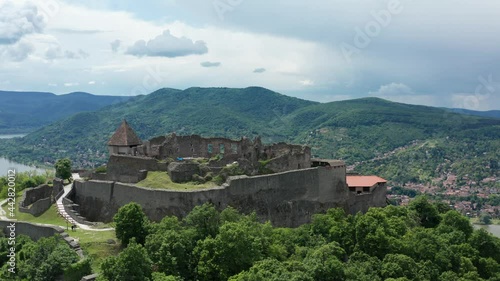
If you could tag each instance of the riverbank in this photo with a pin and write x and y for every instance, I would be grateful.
(491, 228)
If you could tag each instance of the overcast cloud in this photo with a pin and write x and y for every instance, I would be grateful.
(439, 53)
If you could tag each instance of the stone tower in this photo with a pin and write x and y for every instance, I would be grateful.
(124, 141)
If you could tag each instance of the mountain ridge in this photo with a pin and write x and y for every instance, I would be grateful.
(353, 130)
(27, 111)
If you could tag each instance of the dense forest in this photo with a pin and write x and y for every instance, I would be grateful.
(397, 141)
(423, 241)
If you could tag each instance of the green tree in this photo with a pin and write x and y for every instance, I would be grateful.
(363, 267)
(205, 219)
(458, 222)
(426, 212)
(373, 233)
(273, 270)
(485, 218)
(131, 222)
(158, 276)
(60, 259)
(487, 245)
(132, 264)
(175, 253)
(336, 226)
(63, 169)
(44, 260)
(398, 265)
(237, 246)
(323, 264)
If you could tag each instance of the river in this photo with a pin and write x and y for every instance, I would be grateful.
(6, 164)
(12, 136)
(492, 228)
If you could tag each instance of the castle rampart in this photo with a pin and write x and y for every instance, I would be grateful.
(286, 199)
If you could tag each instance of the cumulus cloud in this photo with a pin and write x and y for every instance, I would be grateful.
(167, 45)
(393, 89)
(115, 45)
(210, 64)
(55, 52)
(17, 21)
(306, 82)
(17, 52)
(259, 70)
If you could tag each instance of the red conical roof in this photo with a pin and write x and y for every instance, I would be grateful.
(124, 136)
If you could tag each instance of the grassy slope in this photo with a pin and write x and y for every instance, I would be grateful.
(93, 243)
(161, 180)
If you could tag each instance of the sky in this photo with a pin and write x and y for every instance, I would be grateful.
(437, 53)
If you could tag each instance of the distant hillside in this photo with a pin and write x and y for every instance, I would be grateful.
(489, 113)
(363, 132)
(26, 111)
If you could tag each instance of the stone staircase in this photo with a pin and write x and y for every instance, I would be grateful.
(62, 213)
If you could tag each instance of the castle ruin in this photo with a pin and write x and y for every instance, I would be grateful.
(280, 182)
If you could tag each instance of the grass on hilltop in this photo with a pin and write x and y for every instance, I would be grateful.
(161, 180)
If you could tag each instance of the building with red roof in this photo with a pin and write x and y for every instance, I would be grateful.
(364, 184)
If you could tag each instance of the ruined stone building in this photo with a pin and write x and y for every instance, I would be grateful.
(281, 156)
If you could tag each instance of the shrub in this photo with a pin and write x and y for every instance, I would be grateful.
(101, 170)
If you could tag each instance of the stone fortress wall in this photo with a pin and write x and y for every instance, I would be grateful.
(38, 199)
(286, 199)
(37, 231)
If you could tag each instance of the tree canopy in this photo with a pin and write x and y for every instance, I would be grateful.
(131, 222)
(392, 243)
(63, 169)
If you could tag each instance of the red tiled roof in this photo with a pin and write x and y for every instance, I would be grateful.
(362, 181)
(124, 136)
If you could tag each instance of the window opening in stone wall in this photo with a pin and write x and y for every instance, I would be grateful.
(222, 148)
(210, 148)
(234, 148)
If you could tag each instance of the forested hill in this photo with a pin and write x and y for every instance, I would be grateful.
(363, 132)
(26, 111)
(489, 113)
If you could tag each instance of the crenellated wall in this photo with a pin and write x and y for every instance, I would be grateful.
(286, 199)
